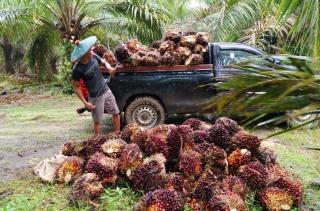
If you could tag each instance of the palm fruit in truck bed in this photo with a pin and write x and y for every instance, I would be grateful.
(133, 46)
(202, 38)
(194, 59)
(110, 58)
(152, 58)
(167, 59)
(122, 53)
(166, 46)
(156, 44)
(174, 36)
(200, 49)
(184, 52)
(188, 41)
(100, 50)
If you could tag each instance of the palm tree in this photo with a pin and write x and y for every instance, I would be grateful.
(12, 19)
(305, 34)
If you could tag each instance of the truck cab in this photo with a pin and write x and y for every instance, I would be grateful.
(149, 95)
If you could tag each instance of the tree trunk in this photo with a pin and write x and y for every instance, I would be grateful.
(7, 49)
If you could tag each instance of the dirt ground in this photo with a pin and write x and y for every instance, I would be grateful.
(34, 129)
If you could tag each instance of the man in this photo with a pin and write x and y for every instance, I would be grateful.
(100, 96)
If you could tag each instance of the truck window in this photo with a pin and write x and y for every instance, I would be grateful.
(234, 56)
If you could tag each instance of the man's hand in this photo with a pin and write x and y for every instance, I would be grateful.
(89, 106)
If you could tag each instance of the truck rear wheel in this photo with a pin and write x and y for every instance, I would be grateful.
(145, 111)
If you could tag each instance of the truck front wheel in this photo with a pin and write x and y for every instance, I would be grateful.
(145, 111)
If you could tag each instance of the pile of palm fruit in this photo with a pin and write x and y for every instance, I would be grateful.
(196, 164)
(175, 48)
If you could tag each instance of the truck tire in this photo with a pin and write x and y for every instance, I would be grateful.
(145, 111)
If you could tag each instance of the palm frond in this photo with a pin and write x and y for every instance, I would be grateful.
(268, 88)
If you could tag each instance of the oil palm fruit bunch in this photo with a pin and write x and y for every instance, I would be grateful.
(110, 58)
(152, 58)
(197, 124)
(156, 44)
(230, 125)
(134, 46)
(104, 167)
(158, 158)
(70, 170)
(91, 146)
(122, 53)
(255, 174)
(235, 184)
(219, 135)
(86, 188)
(202, 38)
(174, 182)
(147, 176)
(200, 136)
(129, 130)
(167, 59)
(140, 138)
(190, 163)
(244, 140)
(69, 149)
(194, 59)
(275, 199)
(225, 202)
(174, 35)
(238, 158)
(216, 158)
(291, 186)
(160, 200)
(157, 141)
(113, 147)
(100, 50)
(264, 155)
(130, 158)
(205, 186)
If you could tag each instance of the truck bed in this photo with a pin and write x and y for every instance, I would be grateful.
(173, 68)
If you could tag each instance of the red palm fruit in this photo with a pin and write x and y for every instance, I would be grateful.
(122, 53)
(244, 140)
(110, 58)
(174, 36)
(90, 146)
(69, 149)
(202, 38)
(231, 125)
(219, 135)
(196, 124)
(190, 163)
(147, 176)
(275, 199)
(200, 136)
(194, 59)
(113, 148)
(156, 143)
(100, 50)
(255, 174)
(140, 138)
(226, 201)
(86, 188)
(202, 147)
(160, 200)
(205, 186)
(236, 185)
(238, 158)
(70, 170)
(156, 44)
(293, 187)
(195, 205)
(130, 158)
(174, 182)
(264, 155)
(174, 143)
(216, 157)
(167, 59)
(159, 158)
(129, 130)
(104, 167)
(133, 45)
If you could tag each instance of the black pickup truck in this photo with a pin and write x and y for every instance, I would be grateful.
(149, 95)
